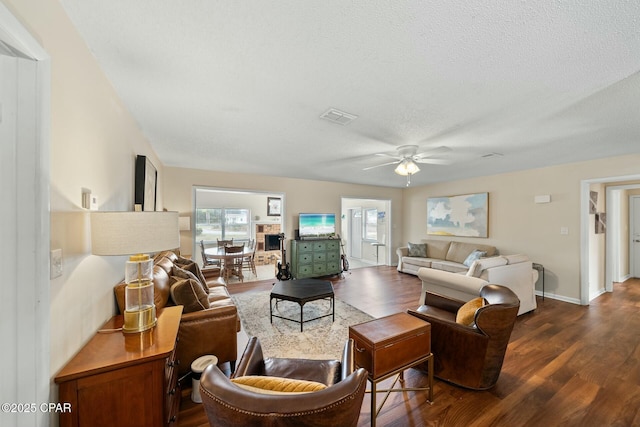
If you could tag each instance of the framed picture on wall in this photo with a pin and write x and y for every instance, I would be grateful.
(146, 182)
(593, 202)
(274, 206)
(464, 215)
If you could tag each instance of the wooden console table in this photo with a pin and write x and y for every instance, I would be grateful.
(120, 379)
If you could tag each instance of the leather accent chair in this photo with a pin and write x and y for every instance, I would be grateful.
(228, 405)
(470, 356)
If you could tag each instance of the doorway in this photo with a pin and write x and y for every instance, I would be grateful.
(366, 228)
(248, 217)
(617, 251)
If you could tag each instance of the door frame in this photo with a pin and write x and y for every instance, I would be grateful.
(30, 379)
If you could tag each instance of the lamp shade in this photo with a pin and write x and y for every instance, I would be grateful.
(407, 167)
(131, 233)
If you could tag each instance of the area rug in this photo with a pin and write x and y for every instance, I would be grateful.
(321, 338)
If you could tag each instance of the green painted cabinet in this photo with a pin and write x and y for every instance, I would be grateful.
(315, 258)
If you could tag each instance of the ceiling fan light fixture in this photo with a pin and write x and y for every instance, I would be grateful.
(407, 167)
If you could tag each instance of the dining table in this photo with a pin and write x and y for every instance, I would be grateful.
(228, 259)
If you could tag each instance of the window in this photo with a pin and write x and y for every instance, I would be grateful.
(370, 224)
(223, 223)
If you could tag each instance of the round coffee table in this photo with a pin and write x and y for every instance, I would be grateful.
(302, 291)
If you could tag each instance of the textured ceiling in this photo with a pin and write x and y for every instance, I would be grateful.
(240, 85)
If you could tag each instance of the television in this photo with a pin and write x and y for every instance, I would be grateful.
(317, 225)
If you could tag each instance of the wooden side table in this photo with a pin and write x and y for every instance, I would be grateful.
(124, 379)
(388, 346)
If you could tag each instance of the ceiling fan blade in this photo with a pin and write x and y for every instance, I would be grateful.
(388, 155)
(378, 166)
(434, 151)
(433, 161)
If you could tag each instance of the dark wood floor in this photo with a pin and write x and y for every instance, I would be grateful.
(566, 364)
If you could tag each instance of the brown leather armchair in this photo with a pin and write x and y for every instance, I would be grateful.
(228, 405)
(470, 356)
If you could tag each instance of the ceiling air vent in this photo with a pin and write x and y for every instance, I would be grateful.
(337, 116)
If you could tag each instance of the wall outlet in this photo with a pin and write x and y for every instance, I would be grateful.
(55, 263)
(564, 231)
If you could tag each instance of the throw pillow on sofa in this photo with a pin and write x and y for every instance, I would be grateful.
(417, 249)
(181, 272)
(474, 256)
(195, 269)
(482, 264)
(189, 293)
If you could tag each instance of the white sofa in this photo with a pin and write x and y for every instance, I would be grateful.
(512, 271)
(447, 255)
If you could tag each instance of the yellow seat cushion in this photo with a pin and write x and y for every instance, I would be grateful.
(467, 313)
(277, 385)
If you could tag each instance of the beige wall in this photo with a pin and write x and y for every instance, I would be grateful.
(94, 141)
(518, 225)
(299, 195)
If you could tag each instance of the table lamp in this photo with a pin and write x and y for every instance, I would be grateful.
(136, 234)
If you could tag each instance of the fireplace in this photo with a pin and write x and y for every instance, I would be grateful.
(272, 242)
(265, 254)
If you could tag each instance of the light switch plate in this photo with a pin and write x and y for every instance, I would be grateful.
(55, 263)
(93, 203)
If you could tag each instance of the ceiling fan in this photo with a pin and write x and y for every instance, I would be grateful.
(407, 160)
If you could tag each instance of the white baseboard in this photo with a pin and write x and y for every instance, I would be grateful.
(559, 297)
(600, 292)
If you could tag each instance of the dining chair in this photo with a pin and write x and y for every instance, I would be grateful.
(233, 264)
(249, 262)
(207, 260)
(225, 242)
